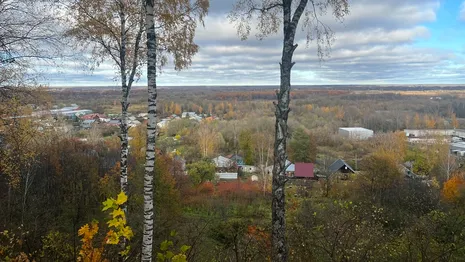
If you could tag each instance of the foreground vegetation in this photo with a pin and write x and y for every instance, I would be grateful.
(52, 184)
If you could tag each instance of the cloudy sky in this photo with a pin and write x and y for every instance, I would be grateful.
(380, 42)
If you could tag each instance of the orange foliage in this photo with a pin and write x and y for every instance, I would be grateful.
(430, 122)
(206, 188)
(452, 188)
(259, 234)
(236, 187)
(455, 122)
(88, 253)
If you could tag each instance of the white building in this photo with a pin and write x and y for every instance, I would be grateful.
(249, 169)
(359, 133)
(223, 162)
(87, 123)
(226, 176)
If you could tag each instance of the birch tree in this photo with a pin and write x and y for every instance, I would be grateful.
(285, 15)
(170, 28)
(113, 30)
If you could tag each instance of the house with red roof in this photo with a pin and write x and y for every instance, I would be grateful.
(304, 171)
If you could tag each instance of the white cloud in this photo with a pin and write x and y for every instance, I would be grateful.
(462, 11)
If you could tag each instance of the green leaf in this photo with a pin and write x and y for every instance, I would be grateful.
(165, 245)
(184, 248)
(179, 258)
(160, 257)
(109, 203)
(125, 252)
(173, 233)
(169, 254)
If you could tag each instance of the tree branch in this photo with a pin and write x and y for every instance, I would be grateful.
(299, 11)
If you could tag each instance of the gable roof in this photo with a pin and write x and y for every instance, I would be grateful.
(222, 161)
(338, 164)
(291, 167)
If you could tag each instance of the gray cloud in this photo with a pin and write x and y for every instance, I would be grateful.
(375, 44)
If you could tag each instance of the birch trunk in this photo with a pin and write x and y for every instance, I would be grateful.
(124, 110)
(147, 240)
(278, 219)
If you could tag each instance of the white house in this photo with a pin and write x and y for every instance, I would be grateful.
(223, 162)
(163, 123)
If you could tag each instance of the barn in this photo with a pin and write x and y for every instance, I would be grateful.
(358, 133)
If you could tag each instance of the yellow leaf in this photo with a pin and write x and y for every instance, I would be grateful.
(83, 230)
(112, 238)
(117, 212)
(122, 198)
(127, 232)
(114, 222)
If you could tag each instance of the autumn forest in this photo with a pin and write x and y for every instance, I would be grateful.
(141, 172)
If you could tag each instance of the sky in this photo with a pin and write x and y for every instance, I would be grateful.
(379, 42)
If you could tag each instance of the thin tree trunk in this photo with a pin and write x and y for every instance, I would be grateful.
(147, 240)
(124, 110)
(124, 117)
(278, 218)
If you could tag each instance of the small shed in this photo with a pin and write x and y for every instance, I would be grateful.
(340, 166)
(304, 170)
(227, 176)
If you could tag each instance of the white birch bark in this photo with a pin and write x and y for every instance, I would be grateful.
(147, 240)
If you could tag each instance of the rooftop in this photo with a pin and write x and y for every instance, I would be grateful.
(354, 129)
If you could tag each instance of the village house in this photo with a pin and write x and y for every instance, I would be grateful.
(304, 171)
(87, 124)
(224, 163)
(340, 167)
(97, 117)
(289, 170)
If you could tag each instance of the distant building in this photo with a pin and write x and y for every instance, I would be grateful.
(358, 133)
(248, 168)
(236, 159)
(340, 166)
(163, 123)
(188, 114)
(304, 170)
(223, 162)
(97, 117)
(86, 124)
(113, 122)
(227, 176)
(289, 170)
(419, 133)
